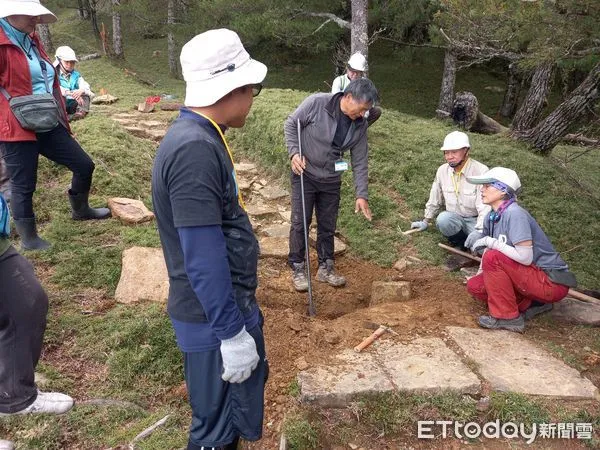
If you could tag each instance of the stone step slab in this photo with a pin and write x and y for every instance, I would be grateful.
(143, 276)
(277, 230)
(260, 210)
(337, 385)
(273, 247)
(273, 193)
(511, 363)
(129, 210)
(426, 365)
(422, 366)
(575, 311)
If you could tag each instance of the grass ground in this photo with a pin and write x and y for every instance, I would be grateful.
(129, 353)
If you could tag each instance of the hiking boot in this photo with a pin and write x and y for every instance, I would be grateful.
(47, 403)
(517, 324)
(326, 274)
(6, 445)
(299, 279)
(537, 308)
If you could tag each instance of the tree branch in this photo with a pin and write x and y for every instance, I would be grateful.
(332, 17)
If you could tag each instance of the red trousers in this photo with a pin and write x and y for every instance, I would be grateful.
(509, 287)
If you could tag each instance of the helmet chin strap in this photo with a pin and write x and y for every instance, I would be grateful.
(63, 67)
(454, 165)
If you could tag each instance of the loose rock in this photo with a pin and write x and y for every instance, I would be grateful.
(129, 210)
(390, 291)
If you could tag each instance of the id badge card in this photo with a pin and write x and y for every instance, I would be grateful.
(341, 166)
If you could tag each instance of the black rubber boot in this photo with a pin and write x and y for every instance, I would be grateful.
(29, 237)
(81, 208)
(458, 240)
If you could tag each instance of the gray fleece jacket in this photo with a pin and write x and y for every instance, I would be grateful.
(318, 115)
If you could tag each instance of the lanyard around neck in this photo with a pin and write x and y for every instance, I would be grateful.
(456, 181)
(218, 128)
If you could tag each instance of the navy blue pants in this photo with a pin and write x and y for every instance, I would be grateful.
(223, 412)
(21, 160)
(23, 309)
(324, 198)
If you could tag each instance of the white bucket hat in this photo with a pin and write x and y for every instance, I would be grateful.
(455, 141)
(507, 176)
(26, 8)
(215, 63)
(358, 62)
(65, 53)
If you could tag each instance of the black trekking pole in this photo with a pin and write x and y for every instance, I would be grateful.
(311, 305)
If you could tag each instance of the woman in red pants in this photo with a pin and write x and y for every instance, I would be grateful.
(521, 274)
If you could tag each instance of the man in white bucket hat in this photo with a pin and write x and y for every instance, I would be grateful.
(355, 70)
(209, 247)
(464, 210)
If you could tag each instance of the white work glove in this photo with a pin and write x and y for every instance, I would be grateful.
(240, 357)
(472, 237)
(483, 243)
(420, 224)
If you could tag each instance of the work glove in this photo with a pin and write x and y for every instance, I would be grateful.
(240, 357)
(471, 238)
(483, 243)
(420, 224)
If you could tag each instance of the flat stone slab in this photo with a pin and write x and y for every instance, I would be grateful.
(143, 276)
(245, 167)
(259, 210)
(578, 312)
(425, 365)
(129, 210)
(337, 385)
(277, 230)
(513, 364)
(274, 247)
(389, 291)
(273, 193)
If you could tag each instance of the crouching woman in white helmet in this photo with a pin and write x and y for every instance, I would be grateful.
(76, 91)
(521, 273)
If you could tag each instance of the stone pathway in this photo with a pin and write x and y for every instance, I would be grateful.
(508, 362)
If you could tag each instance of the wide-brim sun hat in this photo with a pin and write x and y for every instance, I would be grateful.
(455, 141)
(26, 8)
(215, 63)
(507, 176)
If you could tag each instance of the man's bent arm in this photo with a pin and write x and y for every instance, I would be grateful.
(207, 267)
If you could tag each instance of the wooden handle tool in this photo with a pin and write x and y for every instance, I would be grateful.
(368, 341)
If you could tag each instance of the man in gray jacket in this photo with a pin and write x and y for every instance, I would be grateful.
(332, 125)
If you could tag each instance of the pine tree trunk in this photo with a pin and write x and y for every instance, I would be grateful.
(44, 31)
(117, 36)
(511, 95)
(91, 8)
(359, 34)
(173, 70)
(544, 137)
(448, 80)
(529, 112)
(82, 10)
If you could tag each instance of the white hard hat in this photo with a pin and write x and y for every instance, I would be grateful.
(455, 141)
(507, 176)
(358, 62)
(65, 53)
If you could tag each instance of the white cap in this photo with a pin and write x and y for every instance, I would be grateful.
(358, 62)
(26, 8)
(507, 176)
(215, 63)
(455, 141)
(65, 53)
